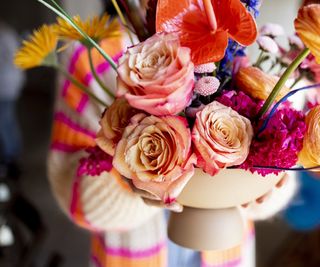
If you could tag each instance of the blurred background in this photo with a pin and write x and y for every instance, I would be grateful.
(47, 237)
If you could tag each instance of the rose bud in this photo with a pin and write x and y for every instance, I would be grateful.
(257, 83)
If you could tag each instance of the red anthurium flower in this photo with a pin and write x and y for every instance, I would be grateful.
(205, 25)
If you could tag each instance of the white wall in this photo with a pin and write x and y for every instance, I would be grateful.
(279, 11)
(84, 8)
(282, 12)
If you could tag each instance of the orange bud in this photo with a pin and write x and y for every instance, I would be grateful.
(257, 83)
(309, 156)
(307, 25)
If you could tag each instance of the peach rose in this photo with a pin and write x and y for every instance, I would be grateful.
(113, 122)
(309, 156)
(156, 154)
(157, 75)
(221, 137)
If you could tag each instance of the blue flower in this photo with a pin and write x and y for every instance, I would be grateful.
(252, 6)
(233, 50)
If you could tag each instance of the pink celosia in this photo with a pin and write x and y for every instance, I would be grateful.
(205, 68)
(207, 86)
(279, 144)
(97, 162)
(240, 102)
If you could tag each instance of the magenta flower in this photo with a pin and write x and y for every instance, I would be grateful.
(279, 144)
(240, 102)
(96, 163)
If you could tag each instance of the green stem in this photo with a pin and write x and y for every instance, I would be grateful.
(223, 84)
(123, 20)
(80, 85)
(273, 65)
(285, 76)
(61, 13)
(298, 79)
(257, 64)
(96, 76)
(218, 67)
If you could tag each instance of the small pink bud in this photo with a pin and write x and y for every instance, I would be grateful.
(207, 86)
(205, 68)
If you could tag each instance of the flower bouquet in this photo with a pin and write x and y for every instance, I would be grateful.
(194, 122)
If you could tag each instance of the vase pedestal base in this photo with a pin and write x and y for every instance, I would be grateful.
(206, 229)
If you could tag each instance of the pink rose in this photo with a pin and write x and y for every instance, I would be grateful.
(157, 75)
(156, 154)
(221, 137)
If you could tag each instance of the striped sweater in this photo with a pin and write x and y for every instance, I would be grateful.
(125, 231)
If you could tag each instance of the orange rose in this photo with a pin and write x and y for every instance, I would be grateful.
(222, 137)
(156, 154)
(113, 122)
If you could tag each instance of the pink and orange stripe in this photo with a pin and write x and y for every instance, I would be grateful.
(68, 136)
(104, 256)
(79, 67)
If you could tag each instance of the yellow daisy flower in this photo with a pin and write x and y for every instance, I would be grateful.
(98, 28)
(39, 50)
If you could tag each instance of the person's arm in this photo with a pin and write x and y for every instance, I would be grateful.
(98, 203)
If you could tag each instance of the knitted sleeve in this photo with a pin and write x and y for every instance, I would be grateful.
(96, 203)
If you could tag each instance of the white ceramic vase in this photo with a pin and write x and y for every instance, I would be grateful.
(211, 219)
